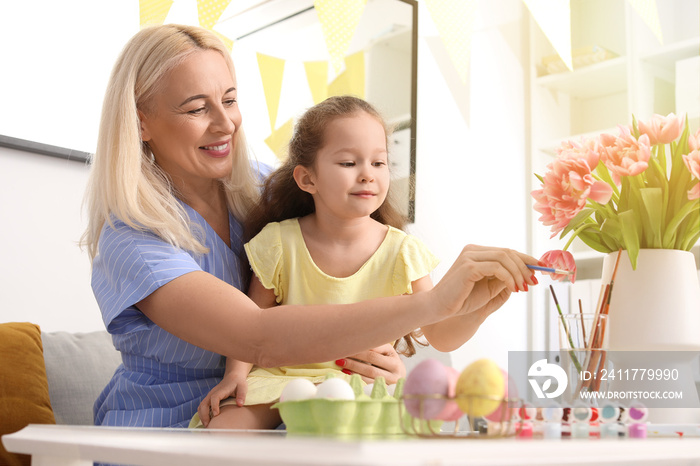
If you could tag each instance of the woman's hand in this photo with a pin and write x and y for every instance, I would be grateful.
(381, 361)
(233, 384)
(481, 279)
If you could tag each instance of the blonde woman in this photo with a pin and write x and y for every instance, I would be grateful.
(171, 183)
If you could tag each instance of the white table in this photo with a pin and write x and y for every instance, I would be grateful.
(79, 445)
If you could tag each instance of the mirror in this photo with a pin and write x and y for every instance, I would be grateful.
(283, 67)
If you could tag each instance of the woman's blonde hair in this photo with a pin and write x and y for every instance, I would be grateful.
(125, 182)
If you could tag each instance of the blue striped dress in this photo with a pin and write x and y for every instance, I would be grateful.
(162, 379)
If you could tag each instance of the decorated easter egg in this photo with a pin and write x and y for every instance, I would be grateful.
(480, 388)
(426, 389)
(298, 389)
(335, 389)
(506, 409)
(451, 411)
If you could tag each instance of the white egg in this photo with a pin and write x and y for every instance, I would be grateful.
(298, 389)
(335, 389)
(368, 389)
(391, 389)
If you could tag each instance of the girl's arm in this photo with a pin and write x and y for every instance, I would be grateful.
(207, 312)
(233, 384)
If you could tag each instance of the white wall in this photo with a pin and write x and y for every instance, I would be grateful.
(470, 188)
(471, 160)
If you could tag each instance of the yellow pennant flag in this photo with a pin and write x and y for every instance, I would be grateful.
(649, 12)
(352, 80)
(317, 77)
(153, 12)
(210, 11)
(278, 140)
(339, 20)
(271, 71)
(554, 18)
(454, 20)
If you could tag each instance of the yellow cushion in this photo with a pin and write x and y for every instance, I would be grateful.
(24, 390)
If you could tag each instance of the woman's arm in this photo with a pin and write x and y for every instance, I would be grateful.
(453, 332)
(382, 361)
(209, 313)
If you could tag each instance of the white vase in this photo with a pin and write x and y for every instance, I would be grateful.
(656, 308)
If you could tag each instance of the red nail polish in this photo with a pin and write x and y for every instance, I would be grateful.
(534, 279)
(346, 371)
(340, 362)
(524, 286)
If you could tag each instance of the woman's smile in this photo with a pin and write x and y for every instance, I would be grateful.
(218, 149)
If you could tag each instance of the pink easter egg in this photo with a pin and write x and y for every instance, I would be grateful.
(505, 410)
(426, 388)
(451, 411)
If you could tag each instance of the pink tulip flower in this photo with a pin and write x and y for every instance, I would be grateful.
(562, 260)
(568, 185)
(694, 141)
(625, 155)
(692, 161)
(661, 129)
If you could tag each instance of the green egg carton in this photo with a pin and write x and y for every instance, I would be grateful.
(378, 414)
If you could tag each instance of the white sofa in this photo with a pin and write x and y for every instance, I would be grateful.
(79, 365)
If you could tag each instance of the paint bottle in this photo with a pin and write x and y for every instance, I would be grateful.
(610, 427)
(581, 416)
(637, 415)
(552, 416)
(526, 416)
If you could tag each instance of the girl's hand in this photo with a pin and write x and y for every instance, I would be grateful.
(481, 279)
(381, 361)
(232, 385)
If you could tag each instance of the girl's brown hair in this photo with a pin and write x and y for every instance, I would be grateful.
(281, 197)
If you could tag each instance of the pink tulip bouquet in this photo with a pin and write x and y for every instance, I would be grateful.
(639, 189)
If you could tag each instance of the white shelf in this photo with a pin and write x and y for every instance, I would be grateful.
(600, 79)
(667, 56)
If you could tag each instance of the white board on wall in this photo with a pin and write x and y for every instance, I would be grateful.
(44, 276)
(55, 61)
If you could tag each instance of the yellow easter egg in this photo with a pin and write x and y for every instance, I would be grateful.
(480, 388)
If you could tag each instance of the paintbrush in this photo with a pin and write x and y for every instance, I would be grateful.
(550, 270)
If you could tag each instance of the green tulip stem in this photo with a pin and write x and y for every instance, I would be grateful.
(566, 329)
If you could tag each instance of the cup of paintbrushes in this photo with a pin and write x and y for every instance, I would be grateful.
(583, 345)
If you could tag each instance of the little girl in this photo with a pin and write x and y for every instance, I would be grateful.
(325, 231)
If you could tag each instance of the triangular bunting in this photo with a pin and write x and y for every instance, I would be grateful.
(271, 71)
(317, 77)
(352, 80)
(454, 20)
(339, 20)
(278, 140)
(210, 11)
(153, 12)
(649, 12)
(554, 18)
